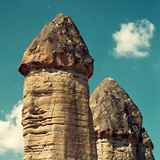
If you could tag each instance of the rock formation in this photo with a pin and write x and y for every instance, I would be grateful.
(145, 146)
(56, 118)
(118, 125)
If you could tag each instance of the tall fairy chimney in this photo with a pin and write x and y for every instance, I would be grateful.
(56, 119)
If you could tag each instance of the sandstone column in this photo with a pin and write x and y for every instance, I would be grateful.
(57, 122)
(118, 124)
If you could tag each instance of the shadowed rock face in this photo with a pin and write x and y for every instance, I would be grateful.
(114, 113)
(56, 118)
(118, 124)
(145, 146)
(58, 45)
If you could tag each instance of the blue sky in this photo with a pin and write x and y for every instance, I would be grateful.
(123, 37)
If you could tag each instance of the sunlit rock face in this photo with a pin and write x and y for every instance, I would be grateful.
(56, 118)
(118, 124)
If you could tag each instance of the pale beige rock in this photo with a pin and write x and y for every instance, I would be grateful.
(56, 118)
(118, 124)
(115, 149)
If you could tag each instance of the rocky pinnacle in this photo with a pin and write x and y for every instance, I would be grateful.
(118, 124)
(56, 118)
(58, 45)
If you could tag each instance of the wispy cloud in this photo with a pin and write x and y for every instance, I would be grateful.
(11, 131)
(156, 64)
(133, 39)
(2, 111)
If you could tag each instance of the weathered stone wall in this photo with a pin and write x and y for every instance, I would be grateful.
(55, 117)
(112, 149)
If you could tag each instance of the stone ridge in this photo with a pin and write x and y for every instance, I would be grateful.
(58, 45)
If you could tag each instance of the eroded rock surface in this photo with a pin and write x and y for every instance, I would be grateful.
(145, 146)
(118, 124)
(56, 118)
(58, 45)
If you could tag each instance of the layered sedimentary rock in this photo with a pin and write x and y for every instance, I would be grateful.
(56, 118)
(118, 124)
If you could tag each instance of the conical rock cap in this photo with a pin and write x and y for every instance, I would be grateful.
(58, 45)
(114, 113)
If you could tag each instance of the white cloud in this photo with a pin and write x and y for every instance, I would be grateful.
(11, 131)
(133, 39)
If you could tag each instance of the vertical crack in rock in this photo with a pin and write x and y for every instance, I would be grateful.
(56, 118)
(118, 124)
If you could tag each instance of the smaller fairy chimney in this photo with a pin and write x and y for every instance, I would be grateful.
(118, 124)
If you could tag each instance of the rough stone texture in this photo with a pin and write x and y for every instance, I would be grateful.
(145, 146)
(114, 113)
(118, 124)
(56, 118)
(115, 149)
(58, 45)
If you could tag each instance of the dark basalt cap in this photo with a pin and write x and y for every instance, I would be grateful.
(58, 45)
